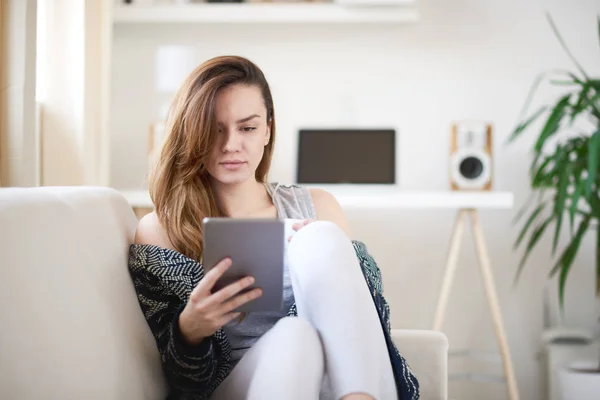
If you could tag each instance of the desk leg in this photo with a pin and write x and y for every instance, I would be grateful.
(451, 264)
(492, 297)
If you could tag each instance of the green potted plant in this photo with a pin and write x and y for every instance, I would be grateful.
(565, 181)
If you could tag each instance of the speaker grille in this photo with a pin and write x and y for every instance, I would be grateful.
(471, 167)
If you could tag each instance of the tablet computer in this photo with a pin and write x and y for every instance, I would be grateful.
(256, 248)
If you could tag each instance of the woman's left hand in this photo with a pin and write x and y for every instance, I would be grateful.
(299, 225)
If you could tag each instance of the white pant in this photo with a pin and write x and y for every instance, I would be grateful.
(334, 347)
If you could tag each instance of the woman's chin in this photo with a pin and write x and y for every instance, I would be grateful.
(232, 178)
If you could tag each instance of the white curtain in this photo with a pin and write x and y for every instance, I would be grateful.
(74, 91)
(2, 91)
(19, 159)
(54, 133)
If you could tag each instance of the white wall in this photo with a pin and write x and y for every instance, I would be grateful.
(470, 59)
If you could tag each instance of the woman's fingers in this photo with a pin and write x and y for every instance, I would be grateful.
(298, 225)
(227, 318)
(229, 291)
(204, 287)
(240, 300)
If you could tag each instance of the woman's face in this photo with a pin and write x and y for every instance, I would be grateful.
(243, 133)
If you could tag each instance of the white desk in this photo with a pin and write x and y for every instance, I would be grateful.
(378, 197)
(465, 203)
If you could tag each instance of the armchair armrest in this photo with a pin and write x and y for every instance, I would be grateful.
(426, 352)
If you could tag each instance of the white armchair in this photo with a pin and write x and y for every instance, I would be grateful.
(71, 323)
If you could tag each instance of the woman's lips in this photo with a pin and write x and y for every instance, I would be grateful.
(233, 165)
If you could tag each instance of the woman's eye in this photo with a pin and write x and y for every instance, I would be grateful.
(248, 128)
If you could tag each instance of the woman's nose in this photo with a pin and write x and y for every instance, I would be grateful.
(231, 142)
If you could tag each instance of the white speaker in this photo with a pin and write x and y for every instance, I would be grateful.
(471, 156)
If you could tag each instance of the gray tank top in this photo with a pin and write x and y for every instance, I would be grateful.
(291, 202)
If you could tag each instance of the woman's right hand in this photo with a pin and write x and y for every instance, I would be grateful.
(206, 312)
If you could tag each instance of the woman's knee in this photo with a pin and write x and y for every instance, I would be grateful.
(319, 238)
(321, 250)
(298, 340)
(287, 362)
(323, 230)
(297, 332)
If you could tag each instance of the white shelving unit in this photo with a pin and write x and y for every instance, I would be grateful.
(124, 23)
(264, 13)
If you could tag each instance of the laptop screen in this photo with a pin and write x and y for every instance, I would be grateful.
(346, 156)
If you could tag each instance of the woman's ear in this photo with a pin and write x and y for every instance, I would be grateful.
(268, 135)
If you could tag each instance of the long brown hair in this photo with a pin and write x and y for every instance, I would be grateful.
(179, 183)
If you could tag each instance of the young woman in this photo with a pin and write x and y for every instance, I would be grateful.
(332, 340)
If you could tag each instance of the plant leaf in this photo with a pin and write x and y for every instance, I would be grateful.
(523, 208)
(593, 154)
(590, 104)
(543, 178)
(562, 83)
(598, 253)
(580, 104)
(521, 127)
(576, 79)
(553, 122)
(560, 198)
(533, 239)
(541, 174)
(536, 83)
(530, 220)
(595, 106)
(594, 202)
(583, 84)
(536, 158)
(579, 187)
(566, 260)
(581, 229)
(563, 44)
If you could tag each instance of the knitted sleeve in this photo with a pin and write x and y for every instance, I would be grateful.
(163, 282)
(406, 382)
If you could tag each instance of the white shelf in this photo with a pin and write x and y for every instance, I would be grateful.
(263, 13)
(388, 198)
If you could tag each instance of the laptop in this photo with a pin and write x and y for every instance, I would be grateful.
(346, 156)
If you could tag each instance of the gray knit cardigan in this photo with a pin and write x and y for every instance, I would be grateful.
(163, 280)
